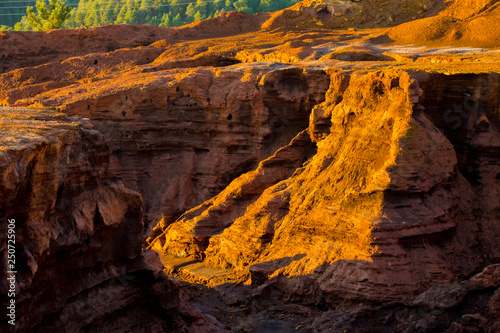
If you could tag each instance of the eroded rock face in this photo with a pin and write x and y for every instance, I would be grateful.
(468, 306)
(180, 136)
(385, 207)
(334, 184)
(79, 259)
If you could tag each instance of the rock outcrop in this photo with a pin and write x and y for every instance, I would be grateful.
(347, 179)
(400, 195)
(469, 306)
(196, 129)
(79, 237)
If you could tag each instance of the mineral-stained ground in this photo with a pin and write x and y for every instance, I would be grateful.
(332, 167)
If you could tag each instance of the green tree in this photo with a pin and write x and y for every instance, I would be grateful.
(229, 6)
(165, 21)
(201, 7)
(155, 20)
(218, 5)
(146, 5)
(176, 7)
(199, 16)
(191, 10)
(268, 5)
(154, 12)
(249, 6)
(92, 19)
(146, 11)
(107, 15)
(120, 18)
(23, 25)
(176, 21)
(47, 18)
(77, 18)
(131, 16)
(11, 11)
(243, 6)
(118, 8)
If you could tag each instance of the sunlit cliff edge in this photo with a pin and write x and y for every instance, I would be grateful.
(314, 157)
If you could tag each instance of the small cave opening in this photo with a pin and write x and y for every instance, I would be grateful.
(95, 62)
(201, 150)
(60, 191)
(223, 62)
(324, 13)
(394, 83)
(379, 89)
(229, 117)
(277, 127)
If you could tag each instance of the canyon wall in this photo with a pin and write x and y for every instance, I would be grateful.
(366, 187)
(401, 194)
(78, 237)
(180, 137)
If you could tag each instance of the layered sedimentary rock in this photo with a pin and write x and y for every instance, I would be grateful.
(78, 237)
(468, 306)
(401, 194)
(180, 136)
(323, 173)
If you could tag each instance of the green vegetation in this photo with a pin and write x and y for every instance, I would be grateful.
(163, 13)
(47, 18)
(14, 12)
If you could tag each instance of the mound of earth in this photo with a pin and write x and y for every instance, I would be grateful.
(26, 49)
(464, 23)
(433, 23)
(335, 14)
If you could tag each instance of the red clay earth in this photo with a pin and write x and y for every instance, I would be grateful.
(308, 169)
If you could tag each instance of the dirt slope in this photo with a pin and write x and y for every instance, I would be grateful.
(335, 14)
(464, 23)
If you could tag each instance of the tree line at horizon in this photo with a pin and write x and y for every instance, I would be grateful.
(87, 13)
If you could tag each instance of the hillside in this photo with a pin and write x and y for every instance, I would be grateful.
(293, 170)
(163, 13)
(471, 24)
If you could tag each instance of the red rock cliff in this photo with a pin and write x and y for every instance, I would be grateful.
(79, 258)
(400, 195)
(366, 185)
